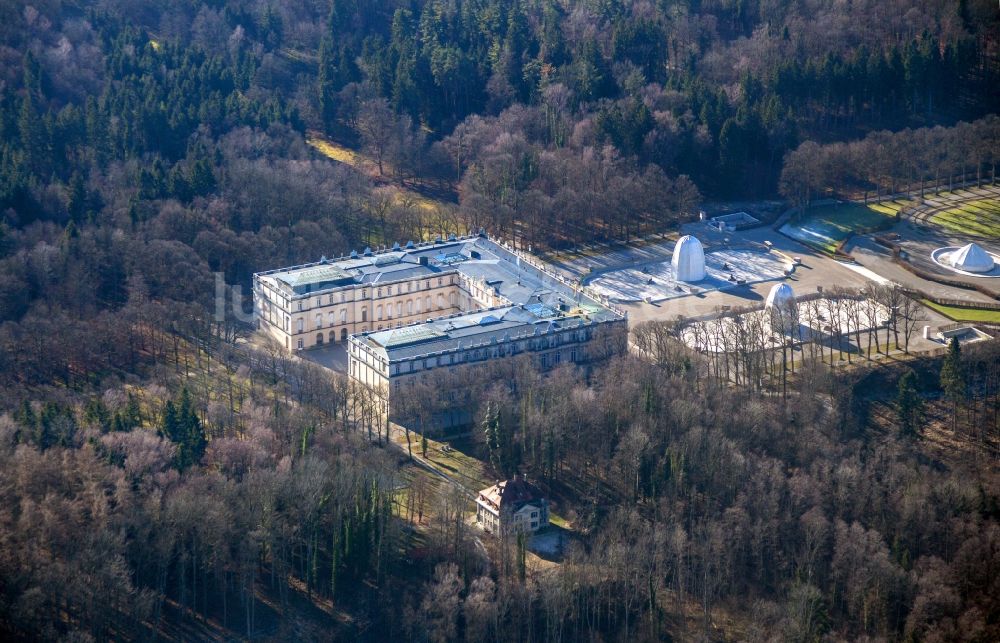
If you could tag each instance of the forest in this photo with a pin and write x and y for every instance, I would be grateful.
(162, 476)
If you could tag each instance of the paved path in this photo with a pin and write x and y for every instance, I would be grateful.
(332, 356)
(879, 259)
(817, 270)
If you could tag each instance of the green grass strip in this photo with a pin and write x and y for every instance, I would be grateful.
(962, 313)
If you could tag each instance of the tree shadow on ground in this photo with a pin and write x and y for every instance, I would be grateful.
(550, 543)
(745, 292)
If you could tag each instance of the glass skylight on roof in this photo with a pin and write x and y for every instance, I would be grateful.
(386, 259)
(450, 258)
(408, 335)
(541, 310)
(314, 275)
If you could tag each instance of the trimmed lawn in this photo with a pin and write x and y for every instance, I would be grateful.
(824, 227)
(961, 313)
(980, 217)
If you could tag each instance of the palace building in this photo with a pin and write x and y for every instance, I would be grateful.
(406, 311)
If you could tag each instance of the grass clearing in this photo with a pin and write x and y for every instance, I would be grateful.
(964, 314)
(559, 521)
(824, 227)
(460, 467)
(334, 151)
(403, 195)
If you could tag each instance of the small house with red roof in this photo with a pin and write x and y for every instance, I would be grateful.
(512, 506)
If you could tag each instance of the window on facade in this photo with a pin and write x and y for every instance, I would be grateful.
(343, 297)
(440, 281)
(378, 293)
(364, 314)
(300, 305)
(319, 320)
(299, 343)
(378, 312)
(319, 338)
(299, 325)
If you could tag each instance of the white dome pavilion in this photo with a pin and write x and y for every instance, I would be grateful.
(688, 259)
(971, 258)
(781, 304)
(780, 295)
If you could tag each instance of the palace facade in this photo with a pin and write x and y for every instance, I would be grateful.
(407, 311)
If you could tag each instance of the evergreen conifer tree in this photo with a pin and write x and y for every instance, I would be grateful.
(953, 378)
